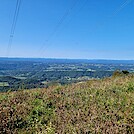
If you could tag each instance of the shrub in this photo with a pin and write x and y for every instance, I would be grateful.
(125, 72)
(117, 73)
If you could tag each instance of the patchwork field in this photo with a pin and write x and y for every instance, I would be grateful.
(4, 84)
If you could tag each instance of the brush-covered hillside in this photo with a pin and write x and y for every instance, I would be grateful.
(96, 106)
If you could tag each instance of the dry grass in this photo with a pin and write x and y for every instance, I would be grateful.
(97, 106)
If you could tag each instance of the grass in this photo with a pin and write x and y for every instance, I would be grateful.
(96, 106)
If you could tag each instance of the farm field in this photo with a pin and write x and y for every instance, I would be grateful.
(4, 84)
(24, 73)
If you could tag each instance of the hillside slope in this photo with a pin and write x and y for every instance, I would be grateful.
(97, 106)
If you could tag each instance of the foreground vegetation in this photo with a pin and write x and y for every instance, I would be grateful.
(96, 106)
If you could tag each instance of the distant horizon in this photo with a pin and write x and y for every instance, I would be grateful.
(65, 58)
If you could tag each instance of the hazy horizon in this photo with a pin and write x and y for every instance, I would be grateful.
(65, 58)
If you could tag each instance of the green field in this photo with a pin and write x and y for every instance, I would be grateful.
(21, 78)
(4, 84)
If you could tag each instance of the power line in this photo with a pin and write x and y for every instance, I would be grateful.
(84, 4)
(123, 5)
(13, 26)
(68, 11)
(79, 10)
(115, 12)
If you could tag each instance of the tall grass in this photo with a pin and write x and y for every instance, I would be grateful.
(96, 106)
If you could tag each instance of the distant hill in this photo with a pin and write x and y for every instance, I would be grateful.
(52, 60)
(95, 106)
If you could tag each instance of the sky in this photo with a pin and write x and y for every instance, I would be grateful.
(76, 29)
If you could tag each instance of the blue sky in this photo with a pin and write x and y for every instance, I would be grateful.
(82, 29)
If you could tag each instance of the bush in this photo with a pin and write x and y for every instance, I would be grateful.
(125, 72)
(117, 73)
